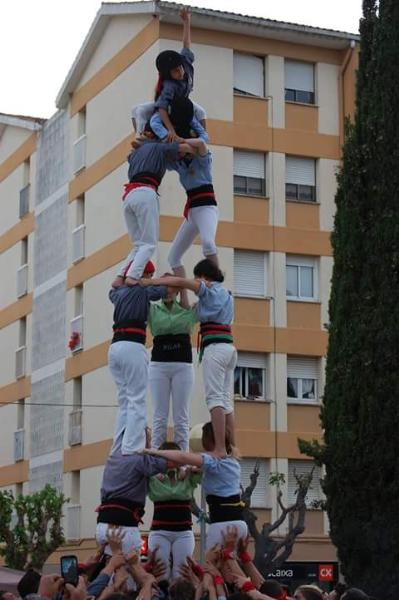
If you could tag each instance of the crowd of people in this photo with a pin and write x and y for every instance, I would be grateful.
(171, 136)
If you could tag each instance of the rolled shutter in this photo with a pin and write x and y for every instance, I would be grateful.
(304, 467)
(303, 367)
(254, 360)
(248, 74)
(300, 170)
(259, 498)
(249, 273)
(249, 164)
(299, 76)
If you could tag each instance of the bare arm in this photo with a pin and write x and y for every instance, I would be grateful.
(179, 282)
(177, 457)
(199, 145)
(186, 18)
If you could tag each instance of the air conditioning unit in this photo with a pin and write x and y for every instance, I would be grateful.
(78, 243)
(22, 281)
(19, 437)
(75, 427)
(73, 522)
(79, 154)
(24, 201)
(76, 339)
(20, 362)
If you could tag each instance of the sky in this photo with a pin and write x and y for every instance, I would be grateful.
(40, 39)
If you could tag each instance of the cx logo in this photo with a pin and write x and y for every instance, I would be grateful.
(326, 573)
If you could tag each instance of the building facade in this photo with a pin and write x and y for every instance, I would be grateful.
(276, 95)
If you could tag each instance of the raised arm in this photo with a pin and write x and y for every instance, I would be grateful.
(175, 282)
(186, 18)
(177, 456)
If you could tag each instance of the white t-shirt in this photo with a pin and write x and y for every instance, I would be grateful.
(141, 113)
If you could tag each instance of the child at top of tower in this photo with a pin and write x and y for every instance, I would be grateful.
(174, 113)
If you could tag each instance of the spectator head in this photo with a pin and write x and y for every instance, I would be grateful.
(206, 269)
(180, 589)
(271, 588)
(4, 595)
(308, 592)
(29, 583)
(239, 596)
(354, 594)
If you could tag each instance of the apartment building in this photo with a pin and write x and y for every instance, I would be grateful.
(276, 95)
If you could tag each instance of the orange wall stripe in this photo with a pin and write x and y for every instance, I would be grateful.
(18, 232)
(242, 135)
(15, 391)
(115, 66)
(18, 157)
(244, 236)
(86, 456)
(16, 310)
(87, 361)
(261, 46)
(17, 473)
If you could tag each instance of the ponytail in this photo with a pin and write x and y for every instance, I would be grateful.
(158, 87)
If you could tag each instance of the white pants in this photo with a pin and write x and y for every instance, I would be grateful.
(202, 220)
(214, 532)
(141, 212)
(173, 545)
(218, 363)
(131, 540)
(171, 381)
(128, 363)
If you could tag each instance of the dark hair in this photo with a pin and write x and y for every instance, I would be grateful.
(209, 435)
(206, 268)
(271, 588)
(169, 446)
(310, 593)
(118, 596)
(29, 583)
(94, 570)
(355, 594)
(340, 589)
(181, 589)
(239, 596)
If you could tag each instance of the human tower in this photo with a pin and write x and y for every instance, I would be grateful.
(171, 136)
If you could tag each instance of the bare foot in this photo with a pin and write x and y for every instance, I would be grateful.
(219, 453)
(117, 282)
(131, 281)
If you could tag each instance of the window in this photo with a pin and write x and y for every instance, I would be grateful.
(259, 498)
(304, 467)
(302, 379)
(249, 273)
(301, 278)
(249, 173)
(248, 74)
(299, 82)
(300, 179)
(250, 376)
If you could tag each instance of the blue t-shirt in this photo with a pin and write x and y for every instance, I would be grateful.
(215, 304)
(173, 88)
(195, 172)
(221, 476)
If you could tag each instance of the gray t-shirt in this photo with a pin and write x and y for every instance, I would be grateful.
(152, 157)
(132, 303)
(125, 476)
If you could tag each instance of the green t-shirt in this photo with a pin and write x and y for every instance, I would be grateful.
(159, 491)
(177, 320)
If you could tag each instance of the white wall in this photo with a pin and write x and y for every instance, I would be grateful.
(9, 194)
(12, 138)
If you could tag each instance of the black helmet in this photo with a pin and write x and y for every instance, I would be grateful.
(167, 60)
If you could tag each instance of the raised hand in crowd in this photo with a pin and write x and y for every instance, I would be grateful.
(115, 539)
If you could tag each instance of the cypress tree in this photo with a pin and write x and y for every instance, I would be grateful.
(360, 414)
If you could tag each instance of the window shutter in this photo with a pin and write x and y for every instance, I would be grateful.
(249, 273)
(255, 360)
(259, 498)
(300, 170)
(303, 367)
(302, 261)
(299, 76)
(301, 467)
(248, 74)
(249, 164)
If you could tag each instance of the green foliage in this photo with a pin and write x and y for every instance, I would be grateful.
(30, 527)
(276, 478)
(360, 414)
